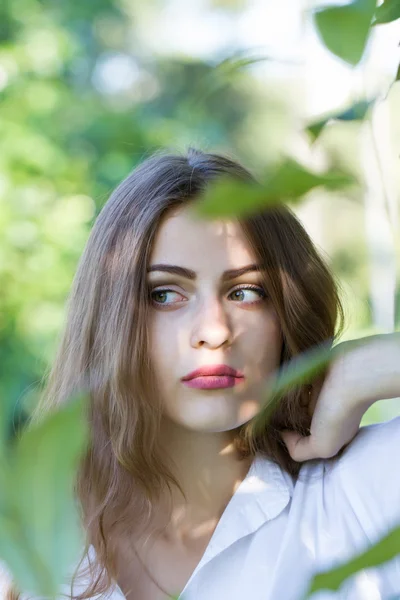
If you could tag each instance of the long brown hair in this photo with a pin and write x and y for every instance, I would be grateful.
(104, 347)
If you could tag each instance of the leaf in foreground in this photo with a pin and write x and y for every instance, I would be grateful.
(42, 521)
(387, 12)
(303, 369)
(356, 112)
(386, 549)
(219, 77)
(299, 371)
(345, 29)
(287, 181)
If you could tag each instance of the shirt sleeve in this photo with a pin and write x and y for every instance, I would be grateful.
(369, 471)
(362, 497)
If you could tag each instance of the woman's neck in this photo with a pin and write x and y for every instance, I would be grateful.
(209, 471)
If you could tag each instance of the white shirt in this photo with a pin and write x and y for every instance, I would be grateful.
(274, 533)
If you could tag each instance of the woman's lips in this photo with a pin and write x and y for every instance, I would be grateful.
(213, 382)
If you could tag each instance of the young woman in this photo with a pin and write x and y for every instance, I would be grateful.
(175, 325)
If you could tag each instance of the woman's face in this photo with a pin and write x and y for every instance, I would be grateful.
(207, 316)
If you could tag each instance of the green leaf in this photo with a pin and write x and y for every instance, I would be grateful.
(345, 29)
(221, 75)
(356, 112)
(386, 549)
(302, 369)
(397, 310)
(23, 562)
(228, 197)
(45, 519)
(3, 428)
(233, 64)
(7, 413)
(299, 371)
(387, 12)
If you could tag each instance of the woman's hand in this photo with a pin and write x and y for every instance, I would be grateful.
(355, 380)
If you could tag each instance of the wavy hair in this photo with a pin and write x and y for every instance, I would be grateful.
(123, 471)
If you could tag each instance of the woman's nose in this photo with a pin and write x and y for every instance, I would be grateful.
(212, 326)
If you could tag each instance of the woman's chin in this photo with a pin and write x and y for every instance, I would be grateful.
(216, 417)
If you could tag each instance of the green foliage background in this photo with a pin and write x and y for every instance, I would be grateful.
(68, 138)
(65, 146)
(67, 142)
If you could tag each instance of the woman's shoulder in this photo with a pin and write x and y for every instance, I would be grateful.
(364, 480)
(341, 507)
(373, 451)
(372, 455)
(376, 439)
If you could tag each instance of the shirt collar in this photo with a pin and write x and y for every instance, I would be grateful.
(262, 495)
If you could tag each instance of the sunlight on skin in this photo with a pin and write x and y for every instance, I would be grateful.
(196, 322)
(201, 326)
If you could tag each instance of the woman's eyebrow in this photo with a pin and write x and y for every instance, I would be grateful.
(189, 274)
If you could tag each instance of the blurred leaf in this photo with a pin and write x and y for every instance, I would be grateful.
(299, 371)
(232, 64)
(398, 74)
(289, 181)
(19, 556)
(303, 369)
(3, 429)
(356, 112)
(384, 550)
(3, 486)
(345, 29)
(220, 76)
(387, 12)
(40, 497)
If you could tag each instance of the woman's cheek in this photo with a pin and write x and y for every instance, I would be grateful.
(163, 344)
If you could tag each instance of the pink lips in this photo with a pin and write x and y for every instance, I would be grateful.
(213, 377)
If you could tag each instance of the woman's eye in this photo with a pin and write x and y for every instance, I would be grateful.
(159, 296)
(248, 294)
(240, 294)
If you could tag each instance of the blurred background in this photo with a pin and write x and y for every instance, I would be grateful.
(88, 89)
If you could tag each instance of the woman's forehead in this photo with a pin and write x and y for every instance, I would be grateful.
(184, 236)
(185, 225)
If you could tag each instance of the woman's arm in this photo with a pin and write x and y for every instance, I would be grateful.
(372, 371)
(362, 372)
